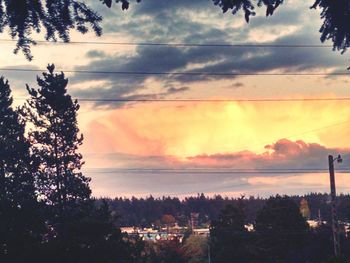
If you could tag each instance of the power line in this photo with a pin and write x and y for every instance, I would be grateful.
(184, 171)
(218, 170)
(317, 129)
(223, 169)
(238, 45)
(135, 73)
(208, 100)
(214, 100)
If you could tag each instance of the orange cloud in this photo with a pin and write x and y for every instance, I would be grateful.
(194, 129)
(284, 154)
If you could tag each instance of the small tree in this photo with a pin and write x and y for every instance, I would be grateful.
(168, 221)
(196, 248)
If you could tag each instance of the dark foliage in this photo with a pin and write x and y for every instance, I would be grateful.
(281, 231)
(125, 3)
(229, 238)
(66, 225)
(16, 180)
(336, 22)
(56, 139)
(248, 6)
(281, 235)
(90, 236)
(20, 224)
(55, 17)
(169, 251)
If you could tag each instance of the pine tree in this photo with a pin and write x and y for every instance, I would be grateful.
(19, 223)
(80, 231)
(16, 182)
(281, 230)
(229, 238)
(56, 140)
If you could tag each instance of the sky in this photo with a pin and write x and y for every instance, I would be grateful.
(214, 145)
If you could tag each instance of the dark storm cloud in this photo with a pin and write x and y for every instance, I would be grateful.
(283, 59)
(146, 59)
(152, 19)
(103, 95)
(117, 86)
(214, 60)
(170, 21)
(154, 7)
(164, 59)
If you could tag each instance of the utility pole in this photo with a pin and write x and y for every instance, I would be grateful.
(335, 226)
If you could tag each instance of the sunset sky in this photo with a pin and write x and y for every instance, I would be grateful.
(212, 146)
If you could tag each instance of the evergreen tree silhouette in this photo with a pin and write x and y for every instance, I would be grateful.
(20, 223)
(79, 230)
(281, 231)
(56, 139)
(229, 237)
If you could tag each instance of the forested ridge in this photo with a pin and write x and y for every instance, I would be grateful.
(144, 212)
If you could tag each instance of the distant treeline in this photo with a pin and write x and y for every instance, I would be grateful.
(144, 212)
